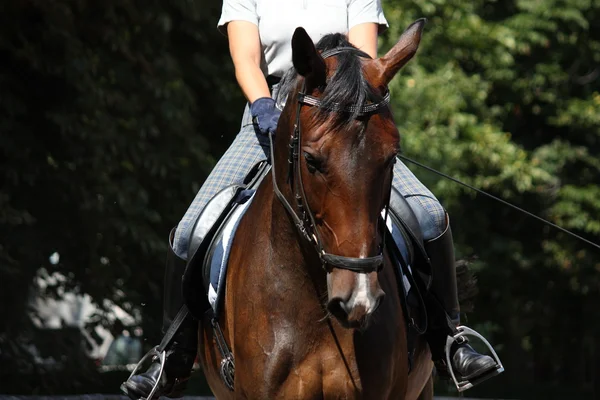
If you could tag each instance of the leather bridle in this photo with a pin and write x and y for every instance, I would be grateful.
(306, 224)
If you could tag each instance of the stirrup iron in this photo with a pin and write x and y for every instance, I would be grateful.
(466, 384)
(155, 354)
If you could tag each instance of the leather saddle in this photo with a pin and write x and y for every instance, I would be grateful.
(207, 232)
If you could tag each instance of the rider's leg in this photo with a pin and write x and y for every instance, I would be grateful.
(247, 149)
(465, 360)
(440, 247)
(182, 351)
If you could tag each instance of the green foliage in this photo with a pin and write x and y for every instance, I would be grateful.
(506, 96)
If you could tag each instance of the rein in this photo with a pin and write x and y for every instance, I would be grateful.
(306, 224)
(506, 203)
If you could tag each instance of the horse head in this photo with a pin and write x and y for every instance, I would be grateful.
(343, 147)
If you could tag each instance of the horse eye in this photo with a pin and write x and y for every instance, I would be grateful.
(312, 163)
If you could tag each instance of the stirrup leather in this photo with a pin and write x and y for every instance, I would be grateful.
(154, 354)
(462, 332)
(227, 369)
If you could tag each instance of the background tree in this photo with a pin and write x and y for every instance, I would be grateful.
(505, 96)
(109, 127)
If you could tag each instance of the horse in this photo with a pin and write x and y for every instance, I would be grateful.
(304, 312)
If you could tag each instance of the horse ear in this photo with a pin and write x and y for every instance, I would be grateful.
(402, 51)
(307, 60)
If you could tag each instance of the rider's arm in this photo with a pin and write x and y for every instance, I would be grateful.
(365, 22)
(364, 36)
(245, 49)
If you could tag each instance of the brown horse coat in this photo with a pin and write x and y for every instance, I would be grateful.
(275, 317)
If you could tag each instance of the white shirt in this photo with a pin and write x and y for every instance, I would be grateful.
(277, 20)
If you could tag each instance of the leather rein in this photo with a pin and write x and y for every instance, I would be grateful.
(305, 223)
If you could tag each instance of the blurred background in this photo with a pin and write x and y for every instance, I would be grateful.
(113, 112)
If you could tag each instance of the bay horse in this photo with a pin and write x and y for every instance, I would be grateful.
(303, 311)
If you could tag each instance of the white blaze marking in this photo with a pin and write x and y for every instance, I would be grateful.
(362, 293)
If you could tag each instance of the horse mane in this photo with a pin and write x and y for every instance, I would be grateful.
(347, 85)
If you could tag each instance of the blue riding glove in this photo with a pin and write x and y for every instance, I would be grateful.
(265, 114)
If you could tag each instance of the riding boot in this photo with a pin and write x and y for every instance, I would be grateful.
(468, 365)
(181, 353)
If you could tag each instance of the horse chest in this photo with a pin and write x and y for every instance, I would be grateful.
(283, 343)
(323, 365)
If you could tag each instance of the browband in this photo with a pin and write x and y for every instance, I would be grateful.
(366, 109)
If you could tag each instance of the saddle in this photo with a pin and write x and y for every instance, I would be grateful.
(208, 233)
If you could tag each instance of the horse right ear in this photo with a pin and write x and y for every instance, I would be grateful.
(307, 60)
(402, 51)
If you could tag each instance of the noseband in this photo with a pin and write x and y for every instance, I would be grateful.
(306, 224)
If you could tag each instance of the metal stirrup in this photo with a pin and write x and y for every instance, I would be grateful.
(155, 353)
(465, 384)
(160, 352)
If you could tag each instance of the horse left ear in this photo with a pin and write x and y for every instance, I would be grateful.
(402, 51)
(307, 60)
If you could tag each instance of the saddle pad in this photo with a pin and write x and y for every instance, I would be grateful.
(218, 262)
(399, 240)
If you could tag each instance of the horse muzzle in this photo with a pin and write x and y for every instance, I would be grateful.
(353, 297)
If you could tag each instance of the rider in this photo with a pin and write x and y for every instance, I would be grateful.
(259, 34)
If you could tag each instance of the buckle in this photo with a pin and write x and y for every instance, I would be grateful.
(227, 371)
(460, 337)
(154, 353)
(227, 368)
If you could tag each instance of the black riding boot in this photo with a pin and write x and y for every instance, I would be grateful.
(181, 353)
(468, 365)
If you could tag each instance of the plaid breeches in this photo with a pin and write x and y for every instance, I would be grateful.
(249, 147)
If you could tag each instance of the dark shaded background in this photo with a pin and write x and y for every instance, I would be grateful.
(112, 114)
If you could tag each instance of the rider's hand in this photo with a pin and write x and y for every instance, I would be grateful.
(265, 114)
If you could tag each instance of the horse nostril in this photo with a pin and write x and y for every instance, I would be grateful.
(379, 296)
(338, 308)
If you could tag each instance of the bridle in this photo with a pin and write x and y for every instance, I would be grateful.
(306, 224)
